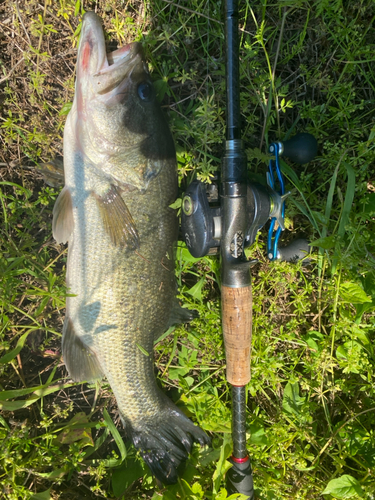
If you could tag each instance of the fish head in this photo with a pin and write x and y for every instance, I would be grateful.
(117, 120)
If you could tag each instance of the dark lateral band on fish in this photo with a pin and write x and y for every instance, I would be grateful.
(117, 220)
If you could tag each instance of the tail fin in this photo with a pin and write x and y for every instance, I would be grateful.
(165, 445)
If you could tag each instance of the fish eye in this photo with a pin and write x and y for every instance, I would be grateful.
(145, 91)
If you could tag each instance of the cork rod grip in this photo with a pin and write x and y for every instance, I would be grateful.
(236, 305)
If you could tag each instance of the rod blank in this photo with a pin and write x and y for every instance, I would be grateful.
(233, 118)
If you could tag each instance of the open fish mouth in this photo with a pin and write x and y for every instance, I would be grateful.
(107, 70)
(117, 56)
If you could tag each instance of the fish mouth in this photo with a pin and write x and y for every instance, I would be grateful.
(117, 56)
(107, 70)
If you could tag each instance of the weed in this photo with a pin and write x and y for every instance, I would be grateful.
(305, 66)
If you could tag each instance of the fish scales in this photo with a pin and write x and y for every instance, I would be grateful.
(118, 290)
(114, 211)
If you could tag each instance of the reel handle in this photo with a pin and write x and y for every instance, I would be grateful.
(301, 148)
(297, 250)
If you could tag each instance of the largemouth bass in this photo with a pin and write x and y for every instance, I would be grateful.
(120, 178)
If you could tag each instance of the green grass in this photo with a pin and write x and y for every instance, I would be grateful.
(305, 66)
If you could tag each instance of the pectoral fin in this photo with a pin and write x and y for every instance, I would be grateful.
(62, 224)
(81, 362)
(117, 220)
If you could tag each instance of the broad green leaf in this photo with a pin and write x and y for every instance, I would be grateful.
(353, 293)
(370, 203)
(292, 401)
(184, 255)
(176, 204)
(319, 217)
(362, 308)
(124, 476)
(161, 87)
(258, 435)
(341, 353)
(65, 108)
(191, 492)
(110, 463)
(344, 487)
(314, 340)
(208, 455)
(360, 335)
(326, 242)
(72, 433)
(101, 440)
(44, 495)
(196, 290)
(369, 284)
(356, 438)
(51, 475)
(175, 373)
(222, 495)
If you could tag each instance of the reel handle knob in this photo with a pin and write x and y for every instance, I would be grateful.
(301, 148)
(297, 250)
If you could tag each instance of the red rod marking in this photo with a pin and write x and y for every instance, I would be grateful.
(240, 460)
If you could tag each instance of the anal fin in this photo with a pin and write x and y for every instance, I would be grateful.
(63, 222)
(81, 362)
(117, 220)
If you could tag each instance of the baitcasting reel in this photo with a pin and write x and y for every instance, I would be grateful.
(201, 219)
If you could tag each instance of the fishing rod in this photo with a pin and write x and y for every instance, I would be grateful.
(230, 224)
